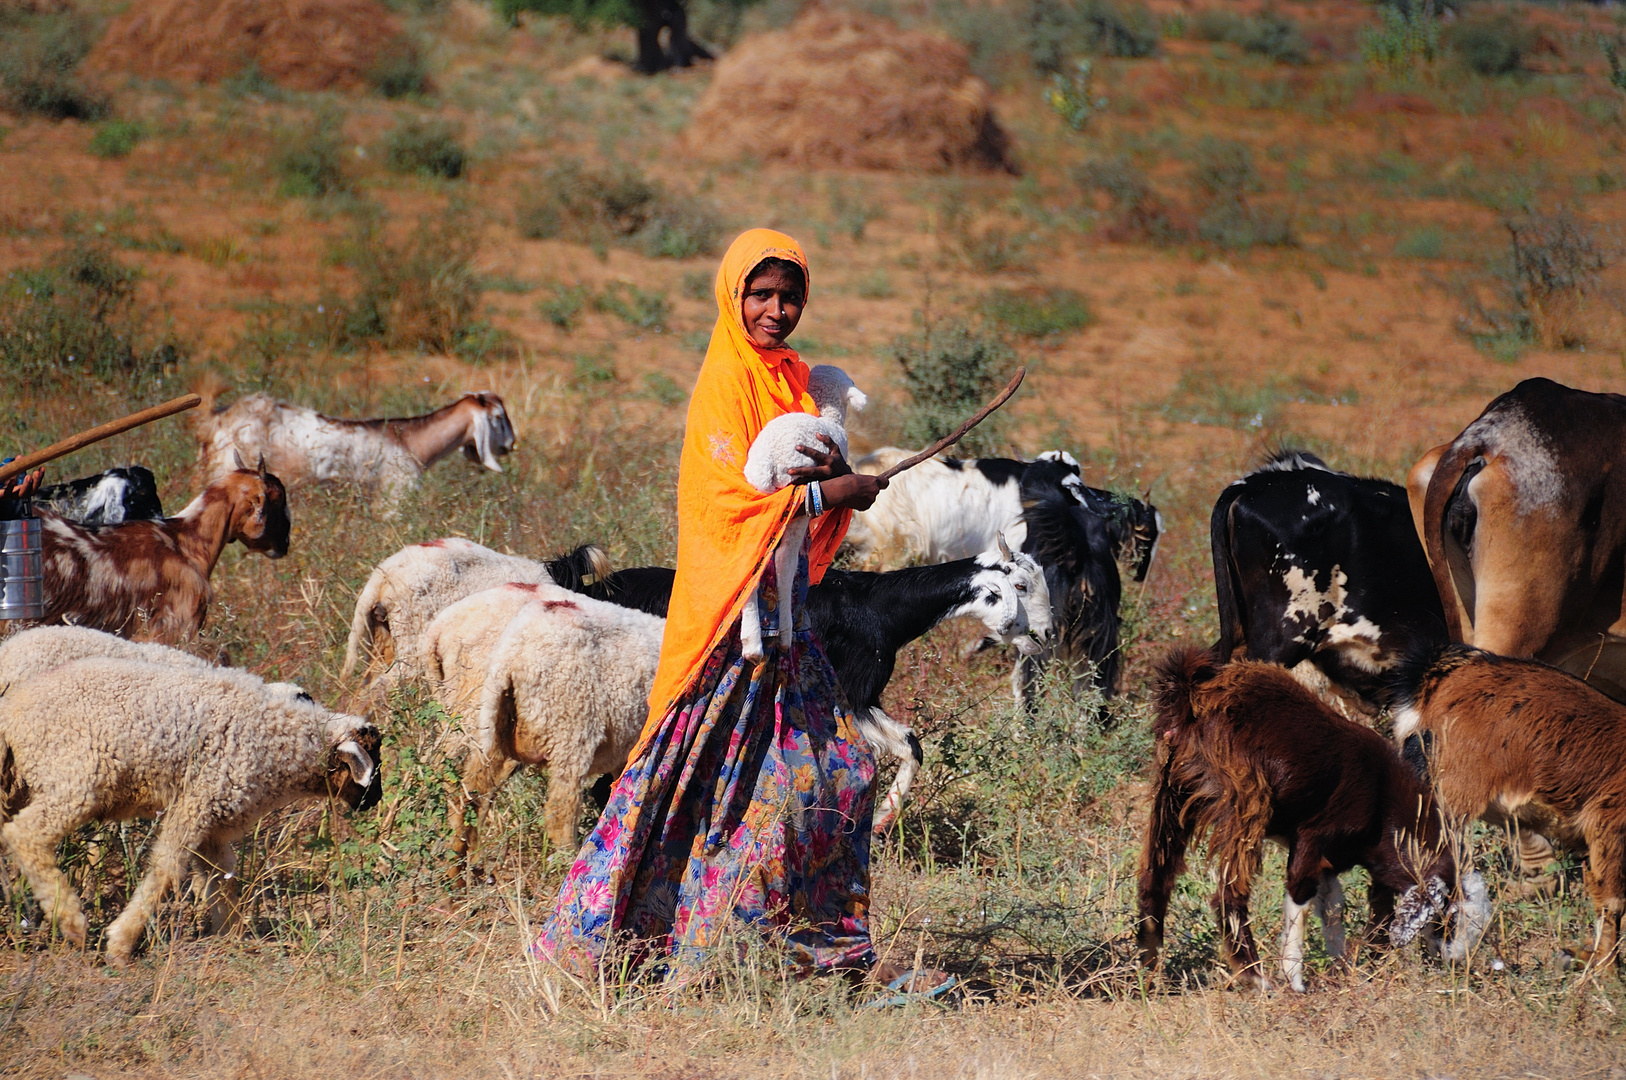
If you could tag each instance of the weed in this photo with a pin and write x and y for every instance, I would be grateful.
(1038, 312)
(426, 148)
(74, 317)
(1617, 69)
(1224, 174)
(1557, 260)
(875, 285)
(634, 306)
(420, 293)
(398, 70)
(39, 57)
(1489, 46)
(1138, 212)
(1059, 31)
(1408, 34)
(250, 81)
(563, 309)
(949, 372)
(1072, 96)
(1268, 34)
(116, 138)
(698, 285)
(591, 370)
(309, 160)
(621, 205)
(852, 213)
(662, 387)
(1424, 243)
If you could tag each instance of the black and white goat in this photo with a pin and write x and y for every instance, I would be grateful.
(864, 618)
(125, 493)
(1074, 546)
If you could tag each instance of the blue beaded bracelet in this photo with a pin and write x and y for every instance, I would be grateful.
(817, 497)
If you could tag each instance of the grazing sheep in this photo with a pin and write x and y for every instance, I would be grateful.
(149, 580)
(24, 655)
(1520, 744)
(385, 456)
(407, 589)
(459, 640)
(568, 684)
(1246, 753)
(126, 493)
(213, 751)
(774, 453)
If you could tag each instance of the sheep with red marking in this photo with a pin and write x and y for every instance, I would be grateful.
(1245, 753)
(149, 580)
(1521, 744)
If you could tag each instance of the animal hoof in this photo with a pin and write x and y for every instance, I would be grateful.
(1538, 888)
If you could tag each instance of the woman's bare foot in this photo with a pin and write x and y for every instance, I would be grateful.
(885, 972)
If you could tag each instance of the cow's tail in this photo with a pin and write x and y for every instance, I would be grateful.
(1226, 586)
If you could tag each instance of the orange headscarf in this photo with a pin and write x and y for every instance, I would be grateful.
(726, 528)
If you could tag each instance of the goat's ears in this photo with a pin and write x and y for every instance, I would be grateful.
(1005, 549)
(357, 761)
(237, 459)
(260, 468)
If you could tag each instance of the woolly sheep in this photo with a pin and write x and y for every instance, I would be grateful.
(213, 751)
(406, 590)
(568, 685)
(458, 643)
(24, 655)
(768, 468)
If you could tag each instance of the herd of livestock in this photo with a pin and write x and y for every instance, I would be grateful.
(1481, 608)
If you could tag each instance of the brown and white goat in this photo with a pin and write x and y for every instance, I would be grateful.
(1245, 753)
(1521, 744)
(386, 457)
(149, 580)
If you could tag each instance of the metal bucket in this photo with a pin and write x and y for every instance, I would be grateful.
(22, 570)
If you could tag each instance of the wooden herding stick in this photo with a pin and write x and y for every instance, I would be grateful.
(97, 434)
(960, 432)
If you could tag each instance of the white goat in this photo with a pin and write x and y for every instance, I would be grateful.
(772, 456)
(386, 457)
(212, 751)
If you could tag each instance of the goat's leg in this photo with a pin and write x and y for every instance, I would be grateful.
(884, 733)
(1329, 908)
(1239, 843)
(1380, 903)
(1304, 884)
(1535, 852)
(1605, 870)
(1168, 834)
(32, 838)
(177, 838)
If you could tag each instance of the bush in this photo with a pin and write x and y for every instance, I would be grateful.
(1038, 312)
(74, 318)
(564, 307)
(398, 70)
(949, 372)
(1493, 46)
(1138, 213)
(39, 57)
(420, 293)
(617, 205)
(1408, 34)
(1224, 174)
(1267, 34)
(310, 160)
(634, 306)
(1425, 243)
(116, 138)
(1059, 30)
(426, 148)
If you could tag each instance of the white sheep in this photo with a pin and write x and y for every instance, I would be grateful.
(568, 684)
(406, 590)
(30, 652)
(213, 751)
(460, 639)
(772, 456)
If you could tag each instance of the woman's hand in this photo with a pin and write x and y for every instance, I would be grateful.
(840, 487)
(827, 463)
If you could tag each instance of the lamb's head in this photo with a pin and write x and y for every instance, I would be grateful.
(834, 393)
(355, 771)
(1011, 598)
(490, 433)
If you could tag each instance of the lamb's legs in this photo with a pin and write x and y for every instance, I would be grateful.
(32, 838)
(166, 865)
(482, 775)
(884, 733)
(786, 556)
(214, 881)
(751, 627)
(564, 806)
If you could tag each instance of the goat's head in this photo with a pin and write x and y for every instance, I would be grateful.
(355, 771)
(259, 505)
(1011, 598)
(834, 394)
(1053, 473)
(490, 433)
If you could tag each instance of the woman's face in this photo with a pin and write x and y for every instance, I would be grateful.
(772, 307)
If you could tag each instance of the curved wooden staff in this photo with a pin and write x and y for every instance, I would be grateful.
(97, 434)
(960, 432)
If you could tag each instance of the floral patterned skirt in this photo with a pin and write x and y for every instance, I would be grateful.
(751, 803)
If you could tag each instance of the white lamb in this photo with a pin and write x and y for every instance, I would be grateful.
(772, 456)
(26, 654)
(406, 590)
(212, 751)
(568, 684)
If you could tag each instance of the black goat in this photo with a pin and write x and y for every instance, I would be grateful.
(126, 493)
(863, 619)
(1075, 546)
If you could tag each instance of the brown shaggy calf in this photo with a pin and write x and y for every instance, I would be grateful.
(1245, 753)
(1518, 743)
(149, 580)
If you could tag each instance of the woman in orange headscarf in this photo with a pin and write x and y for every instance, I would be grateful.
(747, 799)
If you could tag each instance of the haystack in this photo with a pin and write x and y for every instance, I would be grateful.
(299, 44)
(840, 88)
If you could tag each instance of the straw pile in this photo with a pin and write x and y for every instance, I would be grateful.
(300, 44)
(840, 88)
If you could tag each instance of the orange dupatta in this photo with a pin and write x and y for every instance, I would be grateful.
(726, 528)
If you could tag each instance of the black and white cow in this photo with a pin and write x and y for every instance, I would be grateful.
(1311, 564)
(125, 493)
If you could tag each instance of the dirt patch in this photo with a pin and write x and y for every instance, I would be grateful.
(300, 44)
(848, 89)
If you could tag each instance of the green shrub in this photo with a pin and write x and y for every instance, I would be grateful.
(398, 71)
(418, 293)
(1491, 46)
(116, 138)
(309, 161)
(39, 58)
(1038, 312)
(563, 309)
(1061, 30)
(1425, 243)
(634, 306)
(1407, 35)
(1617, 69)
(616, 205)
(74, 317)
(1138, 214)
(949, 372)
(698, 285)
(663, 388)
(1224, 173)
(427, 148)
(1267, 34)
